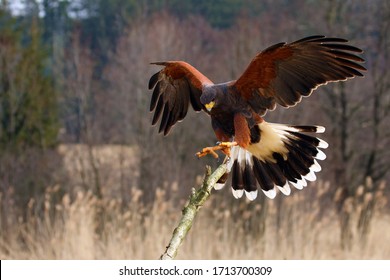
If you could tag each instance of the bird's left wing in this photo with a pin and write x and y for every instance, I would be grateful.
(176, 86)
(284, 73)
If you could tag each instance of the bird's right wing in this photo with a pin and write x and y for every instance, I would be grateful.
(175, 86)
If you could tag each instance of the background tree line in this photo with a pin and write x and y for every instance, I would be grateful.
(76, 72)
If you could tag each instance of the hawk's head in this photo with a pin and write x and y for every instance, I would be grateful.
(209, 97)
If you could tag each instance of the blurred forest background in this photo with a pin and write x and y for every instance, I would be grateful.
(84, 175)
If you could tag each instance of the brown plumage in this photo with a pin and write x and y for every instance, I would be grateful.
(270, 155)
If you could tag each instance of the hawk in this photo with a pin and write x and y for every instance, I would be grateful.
(269, 155)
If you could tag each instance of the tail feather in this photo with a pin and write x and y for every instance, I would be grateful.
(284, 156)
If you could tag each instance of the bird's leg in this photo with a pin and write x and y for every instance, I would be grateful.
(222, 146)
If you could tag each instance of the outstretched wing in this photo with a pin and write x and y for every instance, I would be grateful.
(175, 86)
(283, 73)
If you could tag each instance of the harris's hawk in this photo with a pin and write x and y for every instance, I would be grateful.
(272, 156)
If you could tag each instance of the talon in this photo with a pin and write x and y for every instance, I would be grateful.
(223, 146)
(214, 154)
(206, 151)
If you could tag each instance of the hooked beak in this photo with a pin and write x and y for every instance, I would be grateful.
(210, 106)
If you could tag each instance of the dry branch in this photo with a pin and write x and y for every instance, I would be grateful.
(196, 200)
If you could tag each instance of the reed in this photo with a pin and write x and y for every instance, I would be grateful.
(304, 225)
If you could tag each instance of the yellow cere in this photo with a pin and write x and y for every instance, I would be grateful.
(210, 105)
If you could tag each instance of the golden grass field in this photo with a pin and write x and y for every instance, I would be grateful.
(302, 226)
(73, 223)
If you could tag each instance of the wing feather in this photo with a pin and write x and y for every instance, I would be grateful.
(153, 80)
(283, 73)
(175, 87)
(155, 97)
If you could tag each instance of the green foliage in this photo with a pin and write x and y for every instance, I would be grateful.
(56, 21)
(28, 115)
(219, 13)
(105, 21)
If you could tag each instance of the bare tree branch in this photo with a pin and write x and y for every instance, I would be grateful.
(196, 200)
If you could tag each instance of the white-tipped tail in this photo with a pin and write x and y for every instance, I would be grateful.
(284, 156)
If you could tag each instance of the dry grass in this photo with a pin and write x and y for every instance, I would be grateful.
(302, 226)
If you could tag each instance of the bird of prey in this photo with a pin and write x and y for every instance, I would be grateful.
(269, 155)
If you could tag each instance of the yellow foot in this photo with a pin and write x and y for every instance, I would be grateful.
(222, 146)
